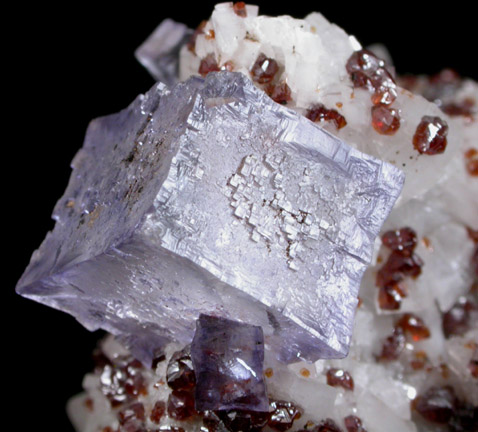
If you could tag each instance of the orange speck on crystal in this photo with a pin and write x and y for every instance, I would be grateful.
(305, 372)
(210, 34)
(89, 404)
(339, 104)
(269, 372)
(427, 243)
(240, 9)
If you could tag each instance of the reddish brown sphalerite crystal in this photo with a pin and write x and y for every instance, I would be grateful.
(397, 267)
(464, 108)
(327, 425)
(368, 71)
(390, 297)
(354, 424)
(385, 120)
(181, 405)
(473, 364)
(134, 411)
(282, 415)
(192, 42)
(180, 373)
(457, 321)
(437, 404)
(413, 326)
(403, 240)
(264, 69)
(242, 421)
(240, 9)
(340, 378)
(157, 412)
(208, 64)
(419, 360)
(279, 93)
(122, 381)
(393, 346)
(430, 137)
(471, 161)
(318, 113)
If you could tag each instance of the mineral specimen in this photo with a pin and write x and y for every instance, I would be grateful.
(228, 359)
(414, 355)
(209, 197)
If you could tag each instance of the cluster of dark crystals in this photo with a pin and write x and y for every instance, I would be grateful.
(369, 72)
(319, 113)
(409, 327)
(264, 72)
(430, 137)
(439, 89)
(441, 405)
(352, 424)
(182, 380)
(121, 380)
(401, 263)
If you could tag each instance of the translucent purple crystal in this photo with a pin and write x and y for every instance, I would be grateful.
(210, 198)
(228, 358)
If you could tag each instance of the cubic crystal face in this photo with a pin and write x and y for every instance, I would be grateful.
(210, 198)
(228, 358)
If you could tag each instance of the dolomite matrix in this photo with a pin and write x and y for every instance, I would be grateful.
(209, 197)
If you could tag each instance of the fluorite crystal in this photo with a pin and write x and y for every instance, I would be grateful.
(228, 358)
(208, 197)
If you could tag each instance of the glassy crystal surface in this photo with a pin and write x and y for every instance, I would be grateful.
(228, 358)
(210, 198)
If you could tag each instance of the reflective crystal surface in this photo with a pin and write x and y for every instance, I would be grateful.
(210, 198)
(228, 358)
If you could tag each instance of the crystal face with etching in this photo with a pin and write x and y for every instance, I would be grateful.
(208, 197)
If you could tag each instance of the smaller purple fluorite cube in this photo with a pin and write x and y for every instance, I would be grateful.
(228, 359)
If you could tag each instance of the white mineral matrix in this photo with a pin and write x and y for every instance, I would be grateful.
(412, 363)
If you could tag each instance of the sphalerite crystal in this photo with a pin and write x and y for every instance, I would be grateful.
(209, 197)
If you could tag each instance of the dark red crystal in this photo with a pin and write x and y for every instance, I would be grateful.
(181, 404)
(457, 321)
(368, 71)
(393, 346)
(403, 240)
(471, 162)
(243, 421)
(385, 120)
(133, 411)
(279, 93)
(463, 108)
(431, 136)
(340, 378)
(208, 64)
(122, 381)
(464, 419)
(390, 297)
(413, 326)
(264, 69)
(397, 267)
(180, 373)
(240, 9)
(157, 412)
(436, 405)
(319, 112)
(354, 424)
(327, 425)
(282, 415)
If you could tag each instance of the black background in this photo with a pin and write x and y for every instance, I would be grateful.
(71, 64)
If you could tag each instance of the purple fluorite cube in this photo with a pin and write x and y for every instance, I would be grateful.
(228, 359)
